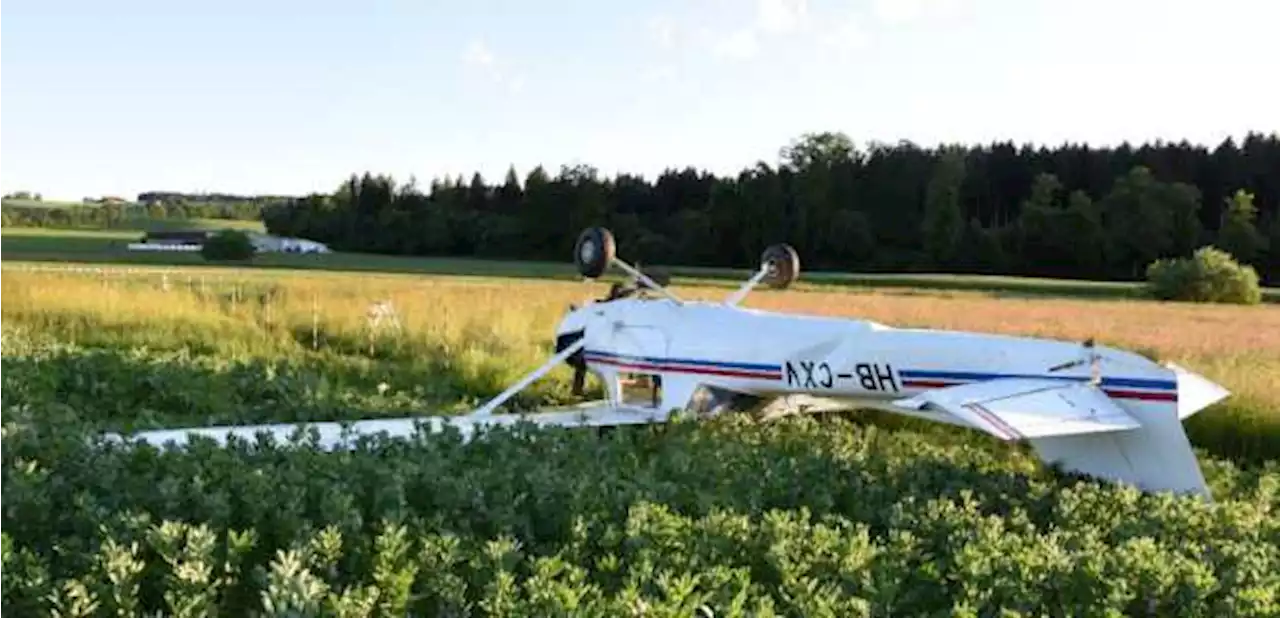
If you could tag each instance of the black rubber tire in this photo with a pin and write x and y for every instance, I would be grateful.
(594, 252)
(784, 266)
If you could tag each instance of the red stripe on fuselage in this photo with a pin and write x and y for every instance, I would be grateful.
(1143, 395)
(929, 383)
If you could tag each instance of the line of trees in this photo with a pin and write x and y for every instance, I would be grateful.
(112, 215)
(1070, 211)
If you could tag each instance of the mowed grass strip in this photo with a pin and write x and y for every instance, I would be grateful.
(104, 248)
(460, 340)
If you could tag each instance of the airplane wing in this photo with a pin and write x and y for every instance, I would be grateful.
(1018, 408)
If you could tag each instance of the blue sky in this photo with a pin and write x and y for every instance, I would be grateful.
(285, 96)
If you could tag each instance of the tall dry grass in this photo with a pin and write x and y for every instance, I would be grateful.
(490, 332)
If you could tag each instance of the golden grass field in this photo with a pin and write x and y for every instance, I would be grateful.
(494, 330)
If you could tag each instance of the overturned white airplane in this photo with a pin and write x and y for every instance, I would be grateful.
(1090, 409)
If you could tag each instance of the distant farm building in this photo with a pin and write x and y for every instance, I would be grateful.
(266, 243)
(193, 240)
(171, 240)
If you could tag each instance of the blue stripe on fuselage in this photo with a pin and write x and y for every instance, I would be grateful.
(908, 374)
(657, 360)
(975, 376)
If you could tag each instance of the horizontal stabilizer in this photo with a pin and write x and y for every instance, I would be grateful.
(1018, 408)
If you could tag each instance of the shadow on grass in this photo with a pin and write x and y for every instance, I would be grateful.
(110, 389)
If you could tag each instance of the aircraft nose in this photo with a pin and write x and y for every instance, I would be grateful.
(566, 338)
(576, 360)
(572, 330)
(571, 327)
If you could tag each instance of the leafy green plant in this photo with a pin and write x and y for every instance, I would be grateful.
(1210, 275)
(228, 245)
(799, 517)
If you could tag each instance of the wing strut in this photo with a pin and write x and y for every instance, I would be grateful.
(746, 288)
(779, 266)
(524, 382)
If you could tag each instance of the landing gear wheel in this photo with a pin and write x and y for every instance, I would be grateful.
(594, 252)
(784, 266)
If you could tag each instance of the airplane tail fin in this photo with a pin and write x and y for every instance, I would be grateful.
(1154, 457)
(1081, 428)
(1157, 456)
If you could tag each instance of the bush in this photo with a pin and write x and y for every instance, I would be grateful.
(1210, 275)
(228, 245)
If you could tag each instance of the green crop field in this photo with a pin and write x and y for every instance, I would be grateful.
(840, 515)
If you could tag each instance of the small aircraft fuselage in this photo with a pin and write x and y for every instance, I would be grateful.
(1092, 409)
(767, 354)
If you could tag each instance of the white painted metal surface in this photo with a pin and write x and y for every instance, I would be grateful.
(1018, 408)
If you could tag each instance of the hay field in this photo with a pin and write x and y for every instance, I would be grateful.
(462, 339)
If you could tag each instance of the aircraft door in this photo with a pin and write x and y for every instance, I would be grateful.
(641, 349)
(643, 331)
(642, 343)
